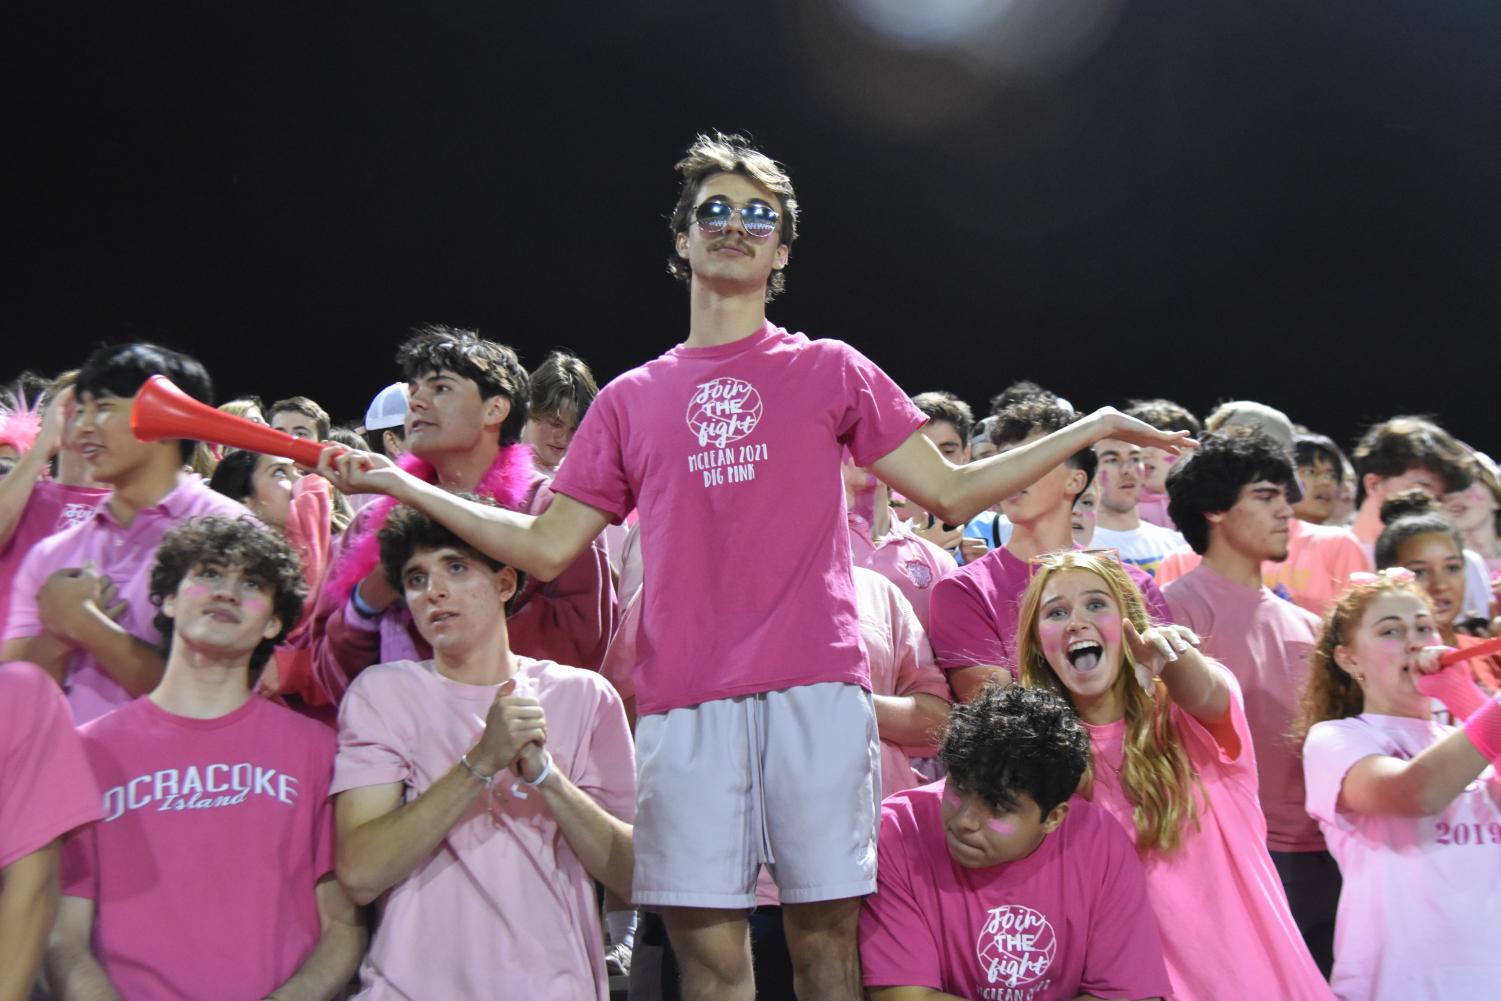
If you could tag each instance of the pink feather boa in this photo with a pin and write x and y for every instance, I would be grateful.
(507, 482)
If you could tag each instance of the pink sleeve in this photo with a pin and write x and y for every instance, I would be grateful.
(1200, 741)
(607, 771)
(571, 618)
(1330, 751)
(878, 414)
(23, 621)
(342, 642)
(897, 943)
(370, 753)
(961, 627)
(308, 528)
(1343, 558)
(1175, 564)
(46, 785)
(78, 864)
(595, 471)
(1123, 951)
(619, 665)
(916, 671)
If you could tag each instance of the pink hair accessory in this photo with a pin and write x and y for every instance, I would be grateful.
(19, 427)
(1396, 575)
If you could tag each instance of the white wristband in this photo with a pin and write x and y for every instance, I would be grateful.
(543, 774)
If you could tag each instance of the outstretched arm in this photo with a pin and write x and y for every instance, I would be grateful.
(958, 493)
(543, 546)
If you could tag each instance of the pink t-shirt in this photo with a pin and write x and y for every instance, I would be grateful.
(51, 508)
(1070, 918)
(911, 563)
(503, 905)
(124, 554)
(1265, 642)
(1320, 560)
(221, 824)
(715, 445)
(46, 785)
(1419, 910)
(1218, 898)
(1152, 506)
(973, 614)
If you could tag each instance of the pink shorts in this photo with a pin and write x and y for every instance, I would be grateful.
(789, 779)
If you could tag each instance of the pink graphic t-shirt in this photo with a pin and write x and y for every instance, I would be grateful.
(51, 508)
(1418, 913)
(1071, 918)
(1266, 643)
(124, 554)
(912, 563)
(215, 834)
(973, 615)
(716, 445)
(503, 906)
(1218, 898)
(46, 786)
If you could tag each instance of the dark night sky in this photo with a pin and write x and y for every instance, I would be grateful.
(1280, 200)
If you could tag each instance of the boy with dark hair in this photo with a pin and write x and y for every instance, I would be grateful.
(1230, 501)
(468, 400)
(995, 883)
(478, 793)
(1164, 415)
(749, 634)
(562, 389)
(973, 611)
(300, 417)
(1320, 466)
(948, 427)
(1397, 455)
(79, 606)
(211, 874)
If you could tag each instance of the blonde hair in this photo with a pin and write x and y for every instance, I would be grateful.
(1330, 691)
(1158, 778)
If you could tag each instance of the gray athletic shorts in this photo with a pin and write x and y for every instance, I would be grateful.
(789, 779)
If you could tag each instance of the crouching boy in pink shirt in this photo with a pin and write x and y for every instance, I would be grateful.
(995, 884)
(480, 793)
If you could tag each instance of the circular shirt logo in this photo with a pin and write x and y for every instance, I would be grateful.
(723, 410)
(1016, 945)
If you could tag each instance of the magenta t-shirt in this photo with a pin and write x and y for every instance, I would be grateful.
(215, 833)
(972, 617)
(716, 445)
(51, 508)
(46, 786)
(124, 554)
(1265, 641)
(1069, 919)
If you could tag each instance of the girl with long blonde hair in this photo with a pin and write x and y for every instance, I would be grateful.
(1171, 759)
(1410, 807)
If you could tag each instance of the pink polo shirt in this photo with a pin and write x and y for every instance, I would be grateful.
(51, 508)
(123, 553)
(1265, 642)
(913, 564)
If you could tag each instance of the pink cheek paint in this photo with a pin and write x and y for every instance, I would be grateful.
(1051, 636)
(257, 605)
(1104, 477)
(1110, 630)
(1000, 826)
(191, 590)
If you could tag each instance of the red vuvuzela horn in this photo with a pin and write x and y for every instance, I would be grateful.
(1486, 648)
(161, 410)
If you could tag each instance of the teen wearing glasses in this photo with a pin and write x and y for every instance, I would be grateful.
(757, 741)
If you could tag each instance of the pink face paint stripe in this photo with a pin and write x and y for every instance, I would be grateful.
(1000, 826)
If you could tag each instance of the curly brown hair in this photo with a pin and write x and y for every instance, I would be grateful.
(237, 542)
(1330, 692)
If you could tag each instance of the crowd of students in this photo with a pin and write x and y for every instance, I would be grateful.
(748, 675)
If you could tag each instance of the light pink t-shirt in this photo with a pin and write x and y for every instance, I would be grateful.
(973, 615)
(1218, 898)
(911, 563)
(503, 907)
(1320, 560)
(215, 834)
(46, 785)
(1265, 642)
(123, 554)
(716, 445)
(1419, 910)
(1152, 506)
(1070, 918)
(51, 508)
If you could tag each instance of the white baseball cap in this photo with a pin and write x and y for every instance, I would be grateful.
(388, 409)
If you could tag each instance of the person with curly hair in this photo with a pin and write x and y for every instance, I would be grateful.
(998, 879)
(1172, 760)
(1410, 807)
(211, 874)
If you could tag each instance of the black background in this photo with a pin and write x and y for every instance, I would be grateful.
(1285, 201)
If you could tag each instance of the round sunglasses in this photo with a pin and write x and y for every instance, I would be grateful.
(757, 219)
